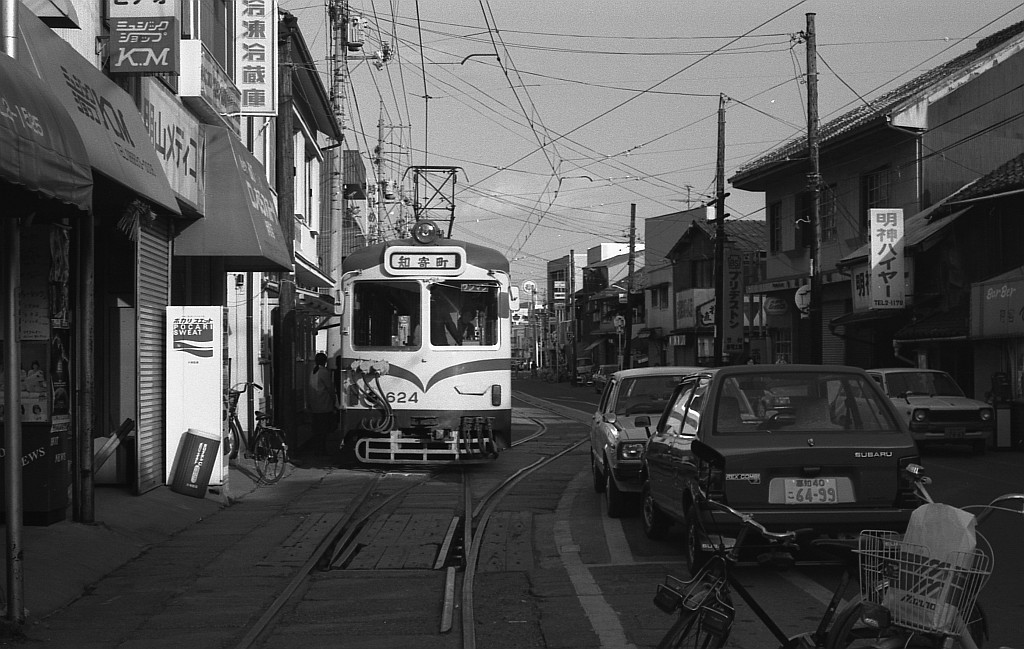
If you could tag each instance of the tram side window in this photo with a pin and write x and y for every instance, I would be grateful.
(386, 314)
(463, 314)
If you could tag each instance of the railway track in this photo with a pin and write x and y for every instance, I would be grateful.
(429, 523)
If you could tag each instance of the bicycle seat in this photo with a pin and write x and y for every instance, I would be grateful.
(260, 416)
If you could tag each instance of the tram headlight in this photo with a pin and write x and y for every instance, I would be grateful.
(425, 231)
(495, 395)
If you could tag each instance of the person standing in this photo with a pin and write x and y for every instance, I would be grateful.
(322, 403)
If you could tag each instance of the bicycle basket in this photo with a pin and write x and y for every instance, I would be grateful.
(690, 594)
(920, 591)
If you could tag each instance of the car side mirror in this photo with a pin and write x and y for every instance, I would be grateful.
(705, 453)
(609, 418)
(642, 420)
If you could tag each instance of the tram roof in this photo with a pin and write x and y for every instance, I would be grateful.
(477, 255)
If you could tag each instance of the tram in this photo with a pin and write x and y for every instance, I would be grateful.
(425, 356)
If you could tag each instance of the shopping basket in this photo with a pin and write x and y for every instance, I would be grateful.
(922, 592)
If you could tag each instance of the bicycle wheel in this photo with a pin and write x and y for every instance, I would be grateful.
(270, 454)
(690, 632)
(233, 438)
(849, 631)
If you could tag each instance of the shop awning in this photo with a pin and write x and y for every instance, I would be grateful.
(593, 345)
(858, 317)
(44, 153)
(240, 222)
(109, 122)
(55, 13)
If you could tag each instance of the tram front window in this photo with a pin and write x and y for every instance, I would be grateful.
(463, 313)
(386, 314)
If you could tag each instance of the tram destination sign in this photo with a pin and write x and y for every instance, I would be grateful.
(417, 260)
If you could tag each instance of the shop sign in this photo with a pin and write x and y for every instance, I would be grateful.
(144, 36)
(997, 308)
(686, 305)
(733, 292)
(888, 289)
(256, 56)
(178, 142)
(775, 306)
(207, 88)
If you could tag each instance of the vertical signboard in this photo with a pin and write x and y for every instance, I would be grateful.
(195, 363)
(178, 141)
(144, 36)
(733, 292)
(888, 287)
(256, 56)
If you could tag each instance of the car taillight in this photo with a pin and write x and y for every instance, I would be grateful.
(907, 498)
(712, 480)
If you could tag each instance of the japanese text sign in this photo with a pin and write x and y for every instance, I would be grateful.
(256, 55)
(144, 37)
(888, 285)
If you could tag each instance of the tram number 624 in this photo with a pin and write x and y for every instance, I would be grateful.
(403, 397)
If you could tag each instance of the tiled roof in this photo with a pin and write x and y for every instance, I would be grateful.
(1007, 177)
(879, 107)
(746, 235)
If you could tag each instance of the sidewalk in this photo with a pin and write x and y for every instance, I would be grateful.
(65, 560)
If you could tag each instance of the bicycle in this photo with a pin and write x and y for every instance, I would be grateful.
(899, 582)
(704, 602)
(264, 444)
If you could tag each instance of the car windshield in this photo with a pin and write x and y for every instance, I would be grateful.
(898, 384)
(800, 402)
(647, 394)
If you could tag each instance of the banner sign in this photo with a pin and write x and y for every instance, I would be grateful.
(888, 286)
(256, 56)
(734, 290)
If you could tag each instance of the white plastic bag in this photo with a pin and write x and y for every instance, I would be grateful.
(936, 569)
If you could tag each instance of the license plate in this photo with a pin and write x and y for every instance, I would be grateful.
(956, 433)
(811, 491)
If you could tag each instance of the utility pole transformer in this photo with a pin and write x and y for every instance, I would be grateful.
(814, 189)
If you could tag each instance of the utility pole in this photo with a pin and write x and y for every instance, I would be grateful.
(720, 238)
(814, 188)
(627, 351)
(285, 394)
(375, 232)
(570, 284)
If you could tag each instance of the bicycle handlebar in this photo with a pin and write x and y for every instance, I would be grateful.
(748, 520)
(245, 386)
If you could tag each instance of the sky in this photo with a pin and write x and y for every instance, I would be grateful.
(563, 115)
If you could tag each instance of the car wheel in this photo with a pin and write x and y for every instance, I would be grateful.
(598, 475)
(614, 499)
(696, 556)
(655, 523)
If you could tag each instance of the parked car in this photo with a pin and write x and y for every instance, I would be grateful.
(935, 407)
(801, 446)
(601, 375)
(631, 403)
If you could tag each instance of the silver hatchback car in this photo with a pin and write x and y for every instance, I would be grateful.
(631, 402)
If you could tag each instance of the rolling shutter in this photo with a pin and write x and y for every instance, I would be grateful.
(153, 287)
